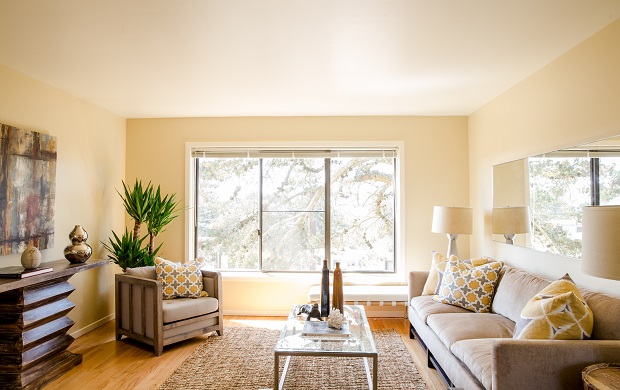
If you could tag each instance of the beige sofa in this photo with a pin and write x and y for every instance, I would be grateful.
(477, 351)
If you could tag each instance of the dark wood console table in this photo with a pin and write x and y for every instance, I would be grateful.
(34, 325)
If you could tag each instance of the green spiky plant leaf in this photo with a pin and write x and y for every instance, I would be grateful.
(162, 212)
(127, 252)
(138, 202)
(144, 204)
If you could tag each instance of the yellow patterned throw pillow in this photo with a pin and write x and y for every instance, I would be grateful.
(557, 312)
(180, 280)
(438, 267)
(471, 288)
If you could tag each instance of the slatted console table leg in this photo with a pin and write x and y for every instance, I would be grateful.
(33, 330)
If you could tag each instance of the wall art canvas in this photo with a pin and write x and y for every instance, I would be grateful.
(27, 189)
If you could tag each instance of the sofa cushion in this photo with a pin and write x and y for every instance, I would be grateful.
(469, 288)
(454, 327)
(514, 290)
(424, 306)
(183, 308)
(558, 312)
(606, 312)
(477, 355)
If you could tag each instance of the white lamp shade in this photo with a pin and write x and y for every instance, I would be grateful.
(600, 251)
(452, 220)
(511, 220)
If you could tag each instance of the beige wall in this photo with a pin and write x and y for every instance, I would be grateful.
(571, 101)
(91, 162)
(436, 174)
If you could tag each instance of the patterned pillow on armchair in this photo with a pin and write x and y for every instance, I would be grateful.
(180, 280)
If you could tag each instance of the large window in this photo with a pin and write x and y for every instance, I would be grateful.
(287, 210)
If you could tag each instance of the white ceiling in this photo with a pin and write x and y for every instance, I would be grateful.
(167, 58)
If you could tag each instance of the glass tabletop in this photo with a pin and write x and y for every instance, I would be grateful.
(359, 342)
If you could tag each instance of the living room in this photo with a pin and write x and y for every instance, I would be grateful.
(557, 101)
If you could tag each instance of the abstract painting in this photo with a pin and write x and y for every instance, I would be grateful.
(27, 189)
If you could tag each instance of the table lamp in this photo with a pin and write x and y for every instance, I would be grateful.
(600, 251)
(510, 221)
(452, 221)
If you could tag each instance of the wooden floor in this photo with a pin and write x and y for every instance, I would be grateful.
(127, 364)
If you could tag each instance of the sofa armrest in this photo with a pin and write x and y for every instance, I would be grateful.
(547, 364)
(212, 283)
(416, 283)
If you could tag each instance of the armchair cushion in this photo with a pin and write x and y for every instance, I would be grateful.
(180, 280)
(184, 308)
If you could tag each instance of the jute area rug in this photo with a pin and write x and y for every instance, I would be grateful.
(243, 359)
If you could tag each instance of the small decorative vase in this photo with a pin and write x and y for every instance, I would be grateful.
(31, 257)
(337, 295)
(79, 251)
(325, 290)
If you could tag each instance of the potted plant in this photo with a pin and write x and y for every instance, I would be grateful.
(144, 204)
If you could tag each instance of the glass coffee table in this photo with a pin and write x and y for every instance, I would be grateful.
(359, 344)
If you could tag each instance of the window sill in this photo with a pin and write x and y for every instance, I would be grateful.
(311, 278)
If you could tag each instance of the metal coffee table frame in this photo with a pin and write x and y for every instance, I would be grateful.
(359, 344)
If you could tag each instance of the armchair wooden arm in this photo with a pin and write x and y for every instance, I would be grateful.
(212, 284)
(144, 296)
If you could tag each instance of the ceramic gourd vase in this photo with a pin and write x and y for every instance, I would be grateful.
(79, 251)
(337, 295)
(325, 290)
(31, 257)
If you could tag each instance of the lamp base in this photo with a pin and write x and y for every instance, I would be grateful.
(452, 249)
(509, 238)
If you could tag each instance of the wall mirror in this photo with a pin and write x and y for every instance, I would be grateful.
(555, 187)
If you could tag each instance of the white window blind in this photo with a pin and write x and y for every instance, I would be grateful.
(309, 152)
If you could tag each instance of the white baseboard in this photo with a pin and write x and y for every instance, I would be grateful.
(92, 326)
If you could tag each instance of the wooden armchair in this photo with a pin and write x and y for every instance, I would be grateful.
(142, 313)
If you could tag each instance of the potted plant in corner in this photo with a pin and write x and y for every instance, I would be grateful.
(144, 204)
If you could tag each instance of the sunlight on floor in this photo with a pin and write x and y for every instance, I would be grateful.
(267, 324)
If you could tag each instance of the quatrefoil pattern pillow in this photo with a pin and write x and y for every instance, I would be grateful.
(180, 280)
(471, 288)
